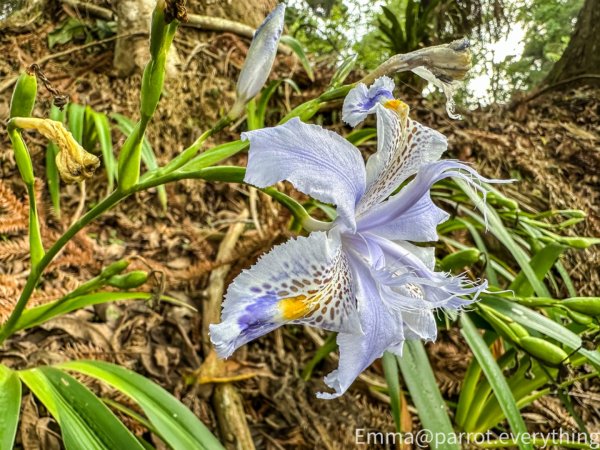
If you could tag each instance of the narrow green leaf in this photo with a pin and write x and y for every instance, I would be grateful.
(40, 314)
(86, 422)
(564, 274)
(214, 155)
(390, 369)
(343, 71)
(52, 175)
(521, 387)
(498, 229)
(467, 392)
(10, 406)
(263, 101)
(108, 156)
(420, 381)
(76, 117)
(322, 352)
(177, 425)
(490, 273)
(541, 263)
(496, 379)
(482, 391)
(361, 135)
(296, 46)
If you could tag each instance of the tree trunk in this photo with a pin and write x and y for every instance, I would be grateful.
(580, 63)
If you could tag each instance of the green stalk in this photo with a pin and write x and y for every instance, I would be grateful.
(37, 270)
(36, 247)
(189, 153)
(224, 174)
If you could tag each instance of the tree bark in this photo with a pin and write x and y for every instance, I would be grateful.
(580, 62)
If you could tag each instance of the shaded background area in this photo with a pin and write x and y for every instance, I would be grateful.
(542, 131)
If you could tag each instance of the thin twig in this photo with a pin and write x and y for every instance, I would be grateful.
(205, 23)
(10, 81)
(90, 9)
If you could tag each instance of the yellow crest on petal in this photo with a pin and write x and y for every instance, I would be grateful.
(293, 308)
(399, 107)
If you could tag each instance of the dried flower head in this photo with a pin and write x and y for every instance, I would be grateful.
(74, 163)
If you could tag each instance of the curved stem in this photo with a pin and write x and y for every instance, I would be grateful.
(38, 269)
(225, 173)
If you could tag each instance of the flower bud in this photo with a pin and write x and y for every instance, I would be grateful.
(23, 98)
(543, 350)
(578, 242)
(114, 269)
(130, 280)
(260, 58)
(460, 259)
(581, 319)
(584, 305)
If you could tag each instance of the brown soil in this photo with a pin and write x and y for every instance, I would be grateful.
(552, 142)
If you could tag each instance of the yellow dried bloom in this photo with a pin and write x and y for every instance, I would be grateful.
(74, 163)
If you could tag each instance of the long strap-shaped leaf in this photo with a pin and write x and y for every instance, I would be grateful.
(541, 263)
(498, 229)
(40, 314)
(424, 391)
(10, 405)
(390, 367)
(178, 426)
(496, 378)
(86, 423)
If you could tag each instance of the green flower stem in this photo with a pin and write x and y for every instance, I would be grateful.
(190, 152)
(36, 247)
(162, 34)
(229, 174)
(37, 270)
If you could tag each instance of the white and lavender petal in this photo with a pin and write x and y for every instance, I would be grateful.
(361, 101)
(382, 330)
(406, 269)
(403, 148)
(412, 194)
(418, 223)
(316, 161)
(306, 280)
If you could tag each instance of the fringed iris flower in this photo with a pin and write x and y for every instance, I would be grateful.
(363, 277)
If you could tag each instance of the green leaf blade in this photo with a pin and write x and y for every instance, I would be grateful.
(10, 406)
(86, 422)
(40, 314)
(418, 377)
(178, 426)
(297, 48)
(496, 379)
